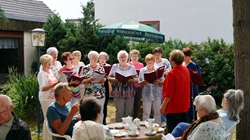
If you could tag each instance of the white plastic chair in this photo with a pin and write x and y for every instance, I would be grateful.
(67, 137)
(225, 137)
(231, 131)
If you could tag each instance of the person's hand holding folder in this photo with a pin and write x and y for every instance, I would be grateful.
(74, 82)
(144, 82)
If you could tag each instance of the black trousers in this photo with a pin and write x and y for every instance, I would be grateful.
(137, 102)
(174, 119)
(106, 85)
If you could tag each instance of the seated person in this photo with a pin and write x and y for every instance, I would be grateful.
(59, 115)
(232, 103)
(11, 127)
(89, 128)
(209, 125)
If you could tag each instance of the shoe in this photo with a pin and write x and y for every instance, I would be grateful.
(163, 124)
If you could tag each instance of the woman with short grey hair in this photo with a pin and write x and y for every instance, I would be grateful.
(209, 125)
(92, 87)
(56, 65)
(103, 58)
(123, 93)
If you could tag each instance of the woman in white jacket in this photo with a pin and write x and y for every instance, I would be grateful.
(89, 128)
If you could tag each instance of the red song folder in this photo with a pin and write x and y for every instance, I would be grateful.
(196, 78)
(122, 78)
(107, 69)
(152, 76)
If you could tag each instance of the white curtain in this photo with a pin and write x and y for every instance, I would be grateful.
(9, 43)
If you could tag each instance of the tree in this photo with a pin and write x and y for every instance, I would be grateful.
(55, 30)
(241, 25)
(2, 15)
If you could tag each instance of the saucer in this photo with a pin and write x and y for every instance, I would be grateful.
(160, 129)
(119, 126)
(133, 134)
(143, 123)
(150, 133)
(120, 134)
(114, 131)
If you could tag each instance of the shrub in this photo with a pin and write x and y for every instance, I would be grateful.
(23, 90)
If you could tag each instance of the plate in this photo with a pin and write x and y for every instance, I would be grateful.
(131, 134)
(150, 134)
(114, 131)
(119, 126)
(143, 123)
(120, 134)
(160, 129)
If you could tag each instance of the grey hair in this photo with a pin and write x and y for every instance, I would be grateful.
(59, 87)
(74, 53)
(121, 52)
(8, 101)
(205, 102)
(52, 49)
(104, 54)
(235, 100)
(93, 53)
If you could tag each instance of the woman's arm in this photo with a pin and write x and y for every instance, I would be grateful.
(45, 88)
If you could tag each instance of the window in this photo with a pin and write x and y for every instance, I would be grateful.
(154, 23)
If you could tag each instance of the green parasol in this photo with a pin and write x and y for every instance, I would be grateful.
(133, 31)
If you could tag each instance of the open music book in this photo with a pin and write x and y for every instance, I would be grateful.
(168, 137)
(66, 76)
(98, 76)
(123, 78)
(152, 76)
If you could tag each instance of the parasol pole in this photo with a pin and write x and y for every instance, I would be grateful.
(130, 47)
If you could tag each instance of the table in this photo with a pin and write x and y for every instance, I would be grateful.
(141, 135)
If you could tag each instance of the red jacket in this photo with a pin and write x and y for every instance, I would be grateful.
(176, 86)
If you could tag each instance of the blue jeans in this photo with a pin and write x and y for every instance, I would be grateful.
(163, 118)
(179, 129)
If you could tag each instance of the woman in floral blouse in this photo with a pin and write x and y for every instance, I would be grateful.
(93, 87)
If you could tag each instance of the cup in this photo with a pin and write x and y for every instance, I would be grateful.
(151, 121)
(133, 130)
(137, 122)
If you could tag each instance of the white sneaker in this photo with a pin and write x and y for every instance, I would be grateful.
(163, 124)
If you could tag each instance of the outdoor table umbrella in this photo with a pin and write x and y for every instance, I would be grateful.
(133, 31)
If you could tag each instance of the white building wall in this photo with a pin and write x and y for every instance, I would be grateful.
(30, 53)
(187, 20)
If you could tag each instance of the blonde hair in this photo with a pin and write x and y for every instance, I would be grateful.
(177, 56)
(149, 57)
(44, 58)
(136, 52)
(74, 53)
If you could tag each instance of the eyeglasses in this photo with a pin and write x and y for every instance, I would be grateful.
(134, 56)
(71, 59)
(123, 57)
(150, 63)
